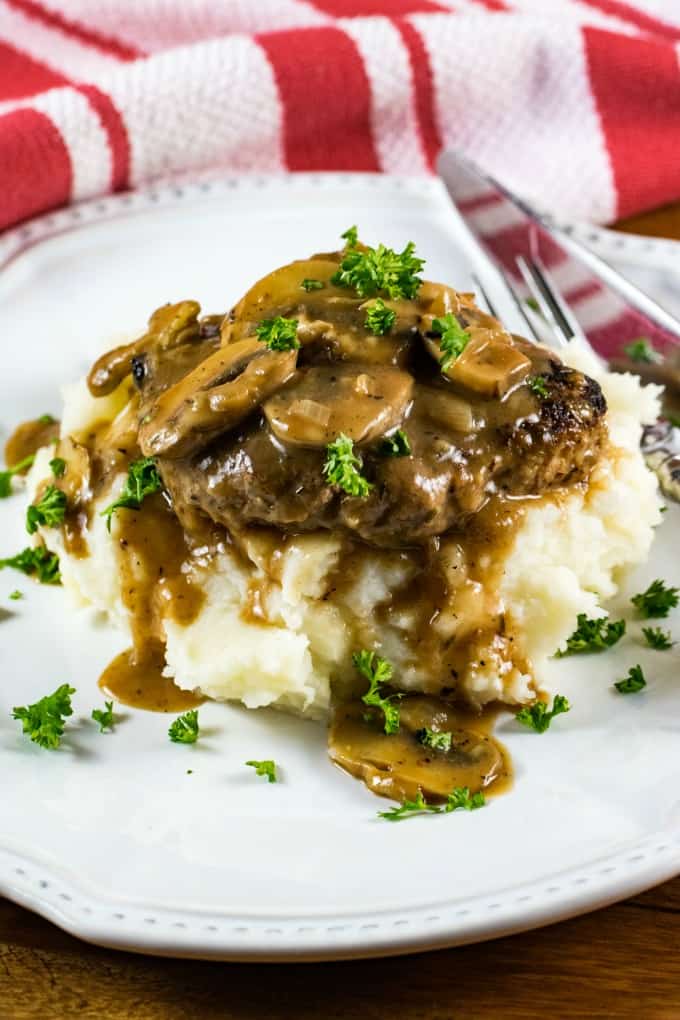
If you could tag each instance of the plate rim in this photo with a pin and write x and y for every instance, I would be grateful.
(85, 912)
(215, 935)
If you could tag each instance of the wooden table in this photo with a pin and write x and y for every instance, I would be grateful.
(621, 962)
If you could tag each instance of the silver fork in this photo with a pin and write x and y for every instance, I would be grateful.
(471, 189)
(547, 319)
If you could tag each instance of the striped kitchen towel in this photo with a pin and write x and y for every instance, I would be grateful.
(574, 103)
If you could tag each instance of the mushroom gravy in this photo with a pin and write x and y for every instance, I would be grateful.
(239, 433)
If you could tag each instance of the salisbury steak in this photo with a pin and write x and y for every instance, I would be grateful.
(524, 446)
(425, 405)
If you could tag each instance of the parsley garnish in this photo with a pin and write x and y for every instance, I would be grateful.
(350, 237)
(674, 420)
(49, 511)
(657, 601)
(538, 385)
(633, 683)
(308, 284)
(342, 467)
(437, 741)
(396, 445)
(104, 716)
(458, 798)
(369, 271)
(453, 339)
(16, 595)
(185, 730)
(6, 476)
(593, 635)
(533, 304)
(379, 318)
(538, 717)
(378, 671)
(142, 481)
(410, 808)
(38, 561)
(461, 798)
(44, 720)
(641, 350)
(657, 638)
(278, 334)
(264, 768)
(58, 465)
(47, 419)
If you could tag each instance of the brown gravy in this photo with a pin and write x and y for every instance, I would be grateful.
(399, 765)
(137, 680)
(27, 439)
(481, 445)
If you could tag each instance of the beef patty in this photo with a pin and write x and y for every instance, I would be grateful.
(241, 432)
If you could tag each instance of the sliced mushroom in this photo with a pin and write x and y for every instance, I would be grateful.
(214, 397)
(168, 326)
(398, 765)
(364, 402)
(278, 293)
(490, 364)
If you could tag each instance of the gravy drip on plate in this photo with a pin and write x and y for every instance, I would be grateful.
(28, 437)
(137, 680)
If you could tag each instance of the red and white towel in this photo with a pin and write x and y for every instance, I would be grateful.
(575, 103)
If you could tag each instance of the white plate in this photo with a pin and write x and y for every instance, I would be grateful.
(112, 839)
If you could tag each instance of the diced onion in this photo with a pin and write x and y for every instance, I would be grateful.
(310, 410)
(450, 410)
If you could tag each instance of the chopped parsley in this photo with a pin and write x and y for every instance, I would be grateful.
(49, 511)
(641, 350)
(58, 466)
(453, 339)
(104, 716)
(6, 476)
(458, 798)
(47, 419)
(142, 481)
(396, 445)
(410, 808)
(437, 741)
(278, 334)
(308, 284)
(462, 798)
(44, 720)
(264, 768)
(657, 600)
(185, 729)
(538, 386)
(657, 638)
(38, 561)
(379, 318)
(593, 635)
(633, 683)
(533, 304)
(351, 237)
(16, 595)
(370, 271)
(378, 671)
(342, 467)
(538, 717)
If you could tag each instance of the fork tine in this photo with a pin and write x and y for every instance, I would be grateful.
(563, 313)
(542, 298)
(533, 335)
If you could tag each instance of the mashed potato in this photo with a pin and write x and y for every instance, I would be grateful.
(565, 559)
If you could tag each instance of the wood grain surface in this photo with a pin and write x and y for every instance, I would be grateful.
(622, 962)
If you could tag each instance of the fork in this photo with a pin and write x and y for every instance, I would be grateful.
(514, 259)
